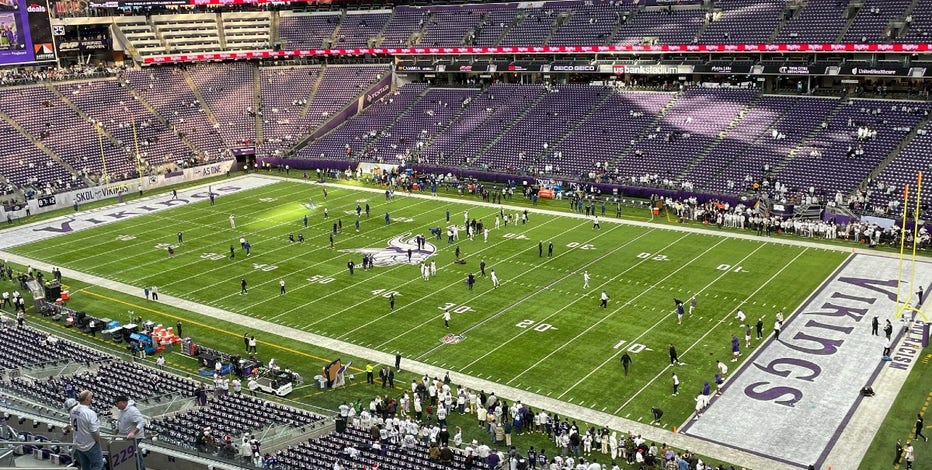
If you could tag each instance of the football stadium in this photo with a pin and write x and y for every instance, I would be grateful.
(565, 235)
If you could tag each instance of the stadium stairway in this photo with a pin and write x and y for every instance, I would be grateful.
(211, 117)
(558, 22)
(313, 92)
(902, 26)
(257, 98)
(362, 150)
(145, 104)
(221, 33)
(895, 152)
(504, 131)
(621, 24)
(80, 112)
(697, 160)
(378, 39)
(793, 7)
(629, 149)
(779, 166)
(583, 120)
(852, 13)
(38, 143)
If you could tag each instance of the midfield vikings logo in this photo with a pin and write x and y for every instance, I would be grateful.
(397, 251)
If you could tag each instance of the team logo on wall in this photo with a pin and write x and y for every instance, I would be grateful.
(397, 251)
(452, 338)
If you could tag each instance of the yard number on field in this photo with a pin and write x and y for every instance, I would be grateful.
(728, 267)
(317, 278)
(264, 267)
(515, 236)
(212, 256)
(532, 324)
(581, 246)
(456, 308)
(633, 347)
(653, 256)
(386, 293)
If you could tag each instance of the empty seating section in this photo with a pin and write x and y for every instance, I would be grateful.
(588, 25)
(744, 22)
(750, 144)
(531, 28)
(313, 95)
(308, 31)
(26, 166)
(532, 24)
(421, 123)
(341, 85)
(870, 24)
(229, 91)
(67, 134)
(141, 36)
(608, 131)
(489, 114)
(403, 24)
(448, 26)
(227, 415)
(914, 157)
(166, 90)
(21, 347)
(919, 29)
(817, 21)
(555, 23)
(321, 453)
(527, 145)
(661, 27)
(495, 23)
(359, 131)
(358, 28)
(111, 104)
(107, 379)
(246, 31)
(689, 126)
(835, 170)
(188, 33)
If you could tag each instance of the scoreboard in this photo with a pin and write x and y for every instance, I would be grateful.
(25, 32)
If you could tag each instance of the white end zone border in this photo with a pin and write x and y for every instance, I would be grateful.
(113, 190)
(81, 220)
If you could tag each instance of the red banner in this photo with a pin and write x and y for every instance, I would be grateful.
(505, 50)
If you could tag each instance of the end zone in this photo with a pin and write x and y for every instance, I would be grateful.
(793, 398)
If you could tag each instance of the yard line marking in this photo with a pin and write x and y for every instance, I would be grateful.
(616, 310)
(322, 248)
(159, 219)
(532, 294)
(457, 283)
(721, 321)
(382, 272)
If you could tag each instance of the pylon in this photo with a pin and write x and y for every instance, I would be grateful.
(674, 432)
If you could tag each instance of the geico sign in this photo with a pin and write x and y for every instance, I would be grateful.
(573, 68)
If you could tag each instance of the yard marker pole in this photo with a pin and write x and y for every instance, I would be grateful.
(912, 276)
(899, 272)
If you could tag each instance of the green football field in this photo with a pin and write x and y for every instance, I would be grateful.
(540, 330)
